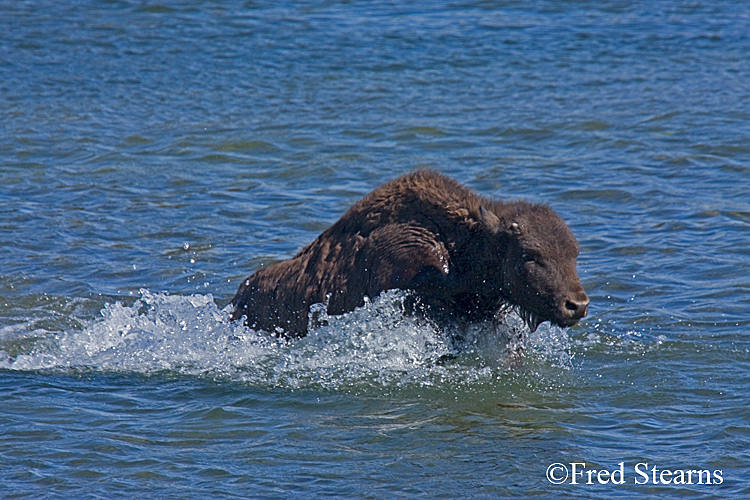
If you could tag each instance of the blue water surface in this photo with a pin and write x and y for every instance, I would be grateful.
(154, 154)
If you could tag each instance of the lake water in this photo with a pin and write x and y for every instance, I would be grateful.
(152, 155)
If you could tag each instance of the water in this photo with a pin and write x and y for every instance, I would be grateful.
(154, 154)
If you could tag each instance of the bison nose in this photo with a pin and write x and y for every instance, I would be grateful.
(578, 306)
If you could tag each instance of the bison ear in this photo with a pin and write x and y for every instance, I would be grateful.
(489, 218)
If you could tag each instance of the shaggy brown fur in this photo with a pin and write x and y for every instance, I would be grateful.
(461, 254)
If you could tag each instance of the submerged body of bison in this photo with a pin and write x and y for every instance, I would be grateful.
(460, 254)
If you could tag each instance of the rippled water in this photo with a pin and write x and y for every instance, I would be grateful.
(155, 154)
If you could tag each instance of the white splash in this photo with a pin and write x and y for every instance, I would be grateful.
(376, 345)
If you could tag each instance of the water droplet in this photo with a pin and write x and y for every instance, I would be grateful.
(185, 245)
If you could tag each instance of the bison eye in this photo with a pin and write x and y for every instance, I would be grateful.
(527, 257)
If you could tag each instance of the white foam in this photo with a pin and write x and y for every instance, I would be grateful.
(374, 346)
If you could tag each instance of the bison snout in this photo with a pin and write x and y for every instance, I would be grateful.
(576, 307)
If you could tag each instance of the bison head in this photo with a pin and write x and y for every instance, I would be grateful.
(538, 267)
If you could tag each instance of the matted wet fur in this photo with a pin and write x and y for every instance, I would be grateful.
(462, 255)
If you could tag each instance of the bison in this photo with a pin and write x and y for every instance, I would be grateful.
(460, 254)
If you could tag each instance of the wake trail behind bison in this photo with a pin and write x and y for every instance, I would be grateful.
(375, 347)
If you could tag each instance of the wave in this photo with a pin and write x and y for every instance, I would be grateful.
(376, 345)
